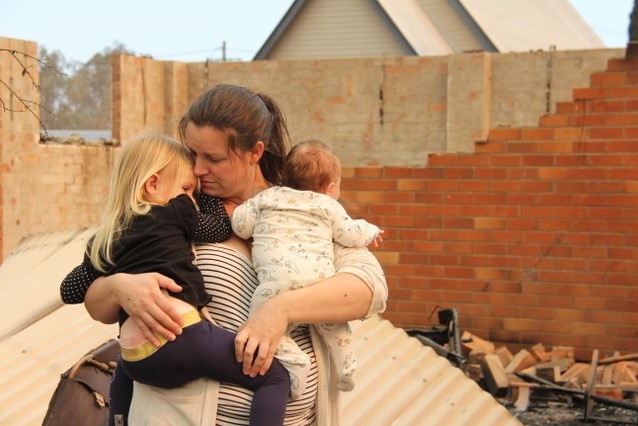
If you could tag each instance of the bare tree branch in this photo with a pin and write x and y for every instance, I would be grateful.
(26, 103)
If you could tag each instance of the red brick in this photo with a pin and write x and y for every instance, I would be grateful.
(491, 173)
(507, 160)
(368, 172)
(556, 120)
(627, 119)
(524, 147)
(608, 78)
(532, 134)
(443, 159)
(622, 64)
(570, 133)
(459, 173)
(622, 92)
(411, 185)
(622, 146)
(570, 107)
(589, 93)
(398, 172)
(504, 133)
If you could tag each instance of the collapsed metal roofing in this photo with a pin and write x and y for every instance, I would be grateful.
(400, 381)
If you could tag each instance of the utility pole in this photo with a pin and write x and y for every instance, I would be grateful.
(224, 51)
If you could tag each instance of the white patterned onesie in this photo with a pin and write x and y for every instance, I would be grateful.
(293, 246)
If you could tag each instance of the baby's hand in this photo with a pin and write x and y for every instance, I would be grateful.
(377, 240)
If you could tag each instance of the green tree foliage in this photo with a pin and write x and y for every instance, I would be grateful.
(82, 98)
(52, 85)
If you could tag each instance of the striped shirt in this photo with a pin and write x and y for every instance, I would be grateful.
(230, 278)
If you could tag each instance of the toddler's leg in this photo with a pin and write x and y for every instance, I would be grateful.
(120, 396)
(338, 337)
(206, 350)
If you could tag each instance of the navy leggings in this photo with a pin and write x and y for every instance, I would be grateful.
(202, 350)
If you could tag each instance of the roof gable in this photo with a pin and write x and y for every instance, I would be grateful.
(335, 29)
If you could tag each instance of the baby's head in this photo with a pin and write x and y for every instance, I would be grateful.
(311, 165)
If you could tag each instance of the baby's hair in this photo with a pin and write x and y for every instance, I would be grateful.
(144, 155)
(311, 165)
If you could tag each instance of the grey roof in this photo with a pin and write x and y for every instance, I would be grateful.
(434, 27)
(416, 27)
(523, 25)
(400, 381)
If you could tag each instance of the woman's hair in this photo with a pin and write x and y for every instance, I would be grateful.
(311, 165)
(245, 117)
(141, 157)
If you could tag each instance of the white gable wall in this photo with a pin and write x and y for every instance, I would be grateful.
(457, 33)
(339, 29)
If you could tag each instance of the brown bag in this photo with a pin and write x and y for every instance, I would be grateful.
(82, 395)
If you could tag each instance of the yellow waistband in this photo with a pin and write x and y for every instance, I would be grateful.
(147, 349)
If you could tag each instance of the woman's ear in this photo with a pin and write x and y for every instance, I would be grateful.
(256, 152)
(150, 186)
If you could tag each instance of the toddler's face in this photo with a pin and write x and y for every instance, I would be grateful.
(167, 189)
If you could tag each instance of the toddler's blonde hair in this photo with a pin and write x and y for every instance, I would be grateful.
(144, 155)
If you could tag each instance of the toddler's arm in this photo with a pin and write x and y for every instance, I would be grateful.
(213, 223)
(76, 283)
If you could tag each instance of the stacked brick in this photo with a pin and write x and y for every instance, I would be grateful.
(532, 238)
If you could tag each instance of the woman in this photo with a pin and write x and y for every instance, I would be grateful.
(238, 139)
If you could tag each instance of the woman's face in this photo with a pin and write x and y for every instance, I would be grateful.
(222, 172)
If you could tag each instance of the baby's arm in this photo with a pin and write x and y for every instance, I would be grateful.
(354, 233)
(213, 223)
(244, 219)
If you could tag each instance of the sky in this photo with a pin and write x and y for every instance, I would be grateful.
(196, 30)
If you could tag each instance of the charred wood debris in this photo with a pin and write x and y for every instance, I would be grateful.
(538, 374)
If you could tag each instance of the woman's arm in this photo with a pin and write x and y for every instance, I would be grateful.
(142, 297)
(357, 291)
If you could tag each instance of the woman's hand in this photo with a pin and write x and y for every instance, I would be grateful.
(142, 296)
(258, 339)
(340, 298)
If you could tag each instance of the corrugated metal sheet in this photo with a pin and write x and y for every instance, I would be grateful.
(400, 381)
(40, 338)
(31, 361)
(38, 263)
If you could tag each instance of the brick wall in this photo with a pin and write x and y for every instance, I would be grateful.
(374, 111)
(533, 238)
(43, 187)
